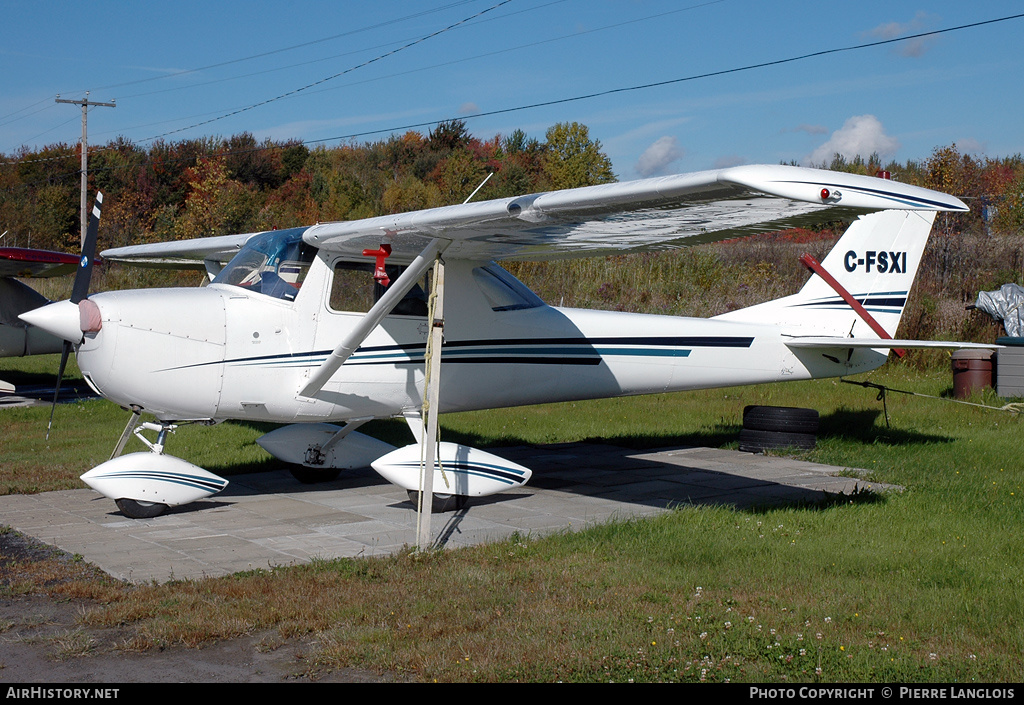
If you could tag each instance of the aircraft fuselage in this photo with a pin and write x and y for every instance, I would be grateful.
(222, 352)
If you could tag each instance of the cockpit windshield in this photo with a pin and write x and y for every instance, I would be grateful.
(274, 263)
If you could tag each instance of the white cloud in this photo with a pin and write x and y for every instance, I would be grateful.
(922, 22)
(469, 108)
(969, 145)
(659, 156)
(861, 134)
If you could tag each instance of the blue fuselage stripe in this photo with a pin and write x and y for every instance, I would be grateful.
(551, 351)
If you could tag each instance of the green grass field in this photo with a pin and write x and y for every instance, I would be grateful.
(921, 586)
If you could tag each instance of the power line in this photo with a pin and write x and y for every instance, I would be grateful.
(638, 87)
(185, 72)
(277, 69)
(272, 52)
(477, 56)
(694, 77)
(295, 91)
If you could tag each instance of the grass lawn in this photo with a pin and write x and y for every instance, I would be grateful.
(924, 585)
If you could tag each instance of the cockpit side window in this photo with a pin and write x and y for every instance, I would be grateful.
(274, 264)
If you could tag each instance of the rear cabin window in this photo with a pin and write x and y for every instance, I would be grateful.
(353, 289)
(503, 291)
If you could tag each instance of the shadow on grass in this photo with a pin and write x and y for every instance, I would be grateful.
(862, 426)
(828, 500)
(846, 425)
(857, 426)
(752, 494)
(40, 385)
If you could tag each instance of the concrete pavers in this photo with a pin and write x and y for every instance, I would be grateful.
(269, 519)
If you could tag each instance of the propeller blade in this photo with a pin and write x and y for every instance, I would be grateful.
(64, 353)
(84, 274)
(79, 291)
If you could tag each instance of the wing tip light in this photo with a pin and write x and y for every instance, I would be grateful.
(840, 188)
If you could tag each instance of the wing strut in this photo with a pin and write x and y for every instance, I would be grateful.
(373, 317)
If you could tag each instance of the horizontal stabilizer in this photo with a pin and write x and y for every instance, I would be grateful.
(847, 343)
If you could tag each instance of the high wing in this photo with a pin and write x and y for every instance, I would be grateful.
(198, 253)
(658, 213)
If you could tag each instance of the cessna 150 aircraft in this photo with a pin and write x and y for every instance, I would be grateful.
(330, 323)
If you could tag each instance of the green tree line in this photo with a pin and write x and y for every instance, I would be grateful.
(217, 186)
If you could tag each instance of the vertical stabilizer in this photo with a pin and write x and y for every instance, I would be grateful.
(875, 260)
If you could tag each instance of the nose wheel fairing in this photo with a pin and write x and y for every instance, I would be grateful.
(151, 479)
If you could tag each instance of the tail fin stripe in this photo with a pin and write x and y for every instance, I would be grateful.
(866, 301)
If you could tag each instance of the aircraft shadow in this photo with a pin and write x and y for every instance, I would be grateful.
(656, 470)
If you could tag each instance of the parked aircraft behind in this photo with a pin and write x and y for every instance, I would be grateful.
(16, 337)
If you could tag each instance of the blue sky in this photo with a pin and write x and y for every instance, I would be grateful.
(326, 71)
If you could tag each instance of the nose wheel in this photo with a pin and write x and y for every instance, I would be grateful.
(134, 509)
(143, 485)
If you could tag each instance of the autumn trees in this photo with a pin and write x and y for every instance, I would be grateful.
(213, 186)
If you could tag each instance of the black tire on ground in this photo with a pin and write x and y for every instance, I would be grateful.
(442, 502)
(311, 476)
(140, 510)
(785, 419)
(755, 441)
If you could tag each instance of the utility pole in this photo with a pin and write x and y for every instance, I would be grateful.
(85, 103)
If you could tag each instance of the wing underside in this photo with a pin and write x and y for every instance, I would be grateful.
(661, 213)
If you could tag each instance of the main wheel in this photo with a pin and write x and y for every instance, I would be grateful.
(442, 502)
(311, 476)
(135, 509)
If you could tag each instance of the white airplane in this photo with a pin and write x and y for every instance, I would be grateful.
(304, 327)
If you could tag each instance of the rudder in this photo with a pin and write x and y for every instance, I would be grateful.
(876, 261)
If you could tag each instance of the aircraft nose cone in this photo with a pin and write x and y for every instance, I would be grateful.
(61, 319)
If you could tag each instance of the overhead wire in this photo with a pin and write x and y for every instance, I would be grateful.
(277, 69)
(497, 52)
(185, 72)
(281, 50)
(623, 89)
(296, 91)
(694, 77)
